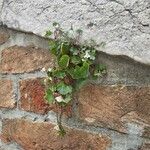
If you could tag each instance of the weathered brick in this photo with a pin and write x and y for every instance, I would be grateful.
(19, 59)
(4, 36)
(115, 107)
(43, 136)
(32, 97)
(6, 94)
(145, 146)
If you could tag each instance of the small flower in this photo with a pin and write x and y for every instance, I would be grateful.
(59, 99)
(92, 57)
(56, 127)
(43, 69)
(57, 26)
(75, 53)
(87, 55)
(49, 69)
(83, 59)
(45, 81)
(50, 78)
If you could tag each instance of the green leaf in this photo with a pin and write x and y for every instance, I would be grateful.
(64, 61)
(49, 96)
(53, 88)
(64, 89)
(48, 33)
(79, 72)
(59, 74)
(76, 60)
(54, 47)
(65, 48)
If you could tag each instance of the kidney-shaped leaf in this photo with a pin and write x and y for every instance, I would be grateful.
(79, 72)
(64, 89)
(64, 61)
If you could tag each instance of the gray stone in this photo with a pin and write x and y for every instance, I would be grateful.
(1, 5)
(123, 25)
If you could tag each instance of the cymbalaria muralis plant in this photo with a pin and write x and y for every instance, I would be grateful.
(74, 66)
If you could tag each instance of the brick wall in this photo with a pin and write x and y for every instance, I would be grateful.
(109, 114)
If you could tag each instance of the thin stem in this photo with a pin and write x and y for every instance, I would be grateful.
(59, 115)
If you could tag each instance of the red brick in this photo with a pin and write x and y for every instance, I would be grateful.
(42, 136)
(32, 97)
(114, 107)
(19, 59)
(6, 94)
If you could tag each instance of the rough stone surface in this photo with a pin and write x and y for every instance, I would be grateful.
(123, 70)
(123, 25)
(1, 5)
(43, 136)
(19, 59)
(32, 97)
(6, 94)
(122, 108)
(4, 36)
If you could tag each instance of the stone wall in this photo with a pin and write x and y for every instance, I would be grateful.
(109, 114)
(112, 113)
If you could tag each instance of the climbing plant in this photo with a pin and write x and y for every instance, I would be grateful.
(74, 66)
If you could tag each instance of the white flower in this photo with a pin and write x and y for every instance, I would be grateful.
(45, 81)
(59, 99)
(57, 26)
(43, 69)
(83, 59)
(87, 55)
(49, 69)
(92, 57)
(56, 127)
(50, 78)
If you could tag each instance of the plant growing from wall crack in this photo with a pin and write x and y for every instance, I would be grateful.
(75, 64)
